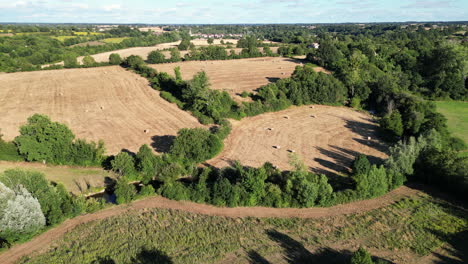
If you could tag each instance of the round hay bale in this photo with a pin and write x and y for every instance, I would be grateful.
(369, 138)
(146, 131)
(277, 147)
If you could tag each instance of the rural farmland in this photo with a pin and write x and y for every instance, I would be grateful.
(233, 133)
(236, 76)
(108, 103)
(326, 138)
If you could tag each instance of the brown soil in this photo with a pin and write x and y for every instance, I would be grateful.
(327, 143)
(236, 76)
(105, 103)
(43, 241)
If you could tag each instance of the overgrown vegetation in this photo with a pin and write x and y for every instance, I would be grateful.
(28, 203)
(190, 238)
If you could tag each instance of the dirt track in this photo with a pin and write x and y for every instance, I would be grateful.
(327, 143)
(236, 76)
(105, 103)
(43, 241)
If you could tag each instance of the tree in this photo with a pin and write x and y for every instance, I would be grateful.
(41, 139)
(124, 191)
(175, 55)
(156, 56)
(361, 256)
(146, 163)
(361, 164)
(115, 59)
(194, 145)
(210, 40)
(88, 61)
(69, 61)
(55, 203)
(393, 124)
(20, 213)
(134, 61)
(184, 44)
(123, 164)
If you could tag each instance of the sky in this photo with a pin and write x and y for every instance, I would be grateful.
(232, 11)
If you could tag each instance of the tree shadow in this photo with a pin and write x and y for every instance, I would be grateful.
(103, 260)
(457, 247)
(256, 258)
(153, 256)
(129, 152)
(366, 130)
(295, 252)
(162, 144)
(272, 79)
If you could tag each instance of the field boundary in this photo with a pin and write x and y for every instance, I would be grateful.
(44, 241)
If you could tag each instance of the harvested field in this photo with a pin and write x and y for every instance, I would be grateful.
(140, 51)
(327, 143)
(236, 76)
(105, 103)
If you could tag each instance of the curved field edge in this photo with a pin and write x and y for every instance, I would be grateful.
(44, 240)
(403, 229)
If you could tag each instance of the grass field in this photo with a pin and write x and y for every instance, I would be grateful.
(407, 231)
(456, 113)
(114, 40)
(63, 38)
(76, 180)
(79, 33)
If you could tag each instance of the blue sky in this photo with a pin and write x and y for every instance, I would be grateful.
(231, 11)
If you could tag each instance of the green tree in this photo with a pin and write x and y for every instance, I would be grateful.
(146, 163)
(41, 139)
(361, 164)
(175, 55)
(115, 59)
(123, 164)
(88, 61)
(124, 191)
(361, 256)
(393, 124)
(184, 44)
(156, 56)
(210, 40)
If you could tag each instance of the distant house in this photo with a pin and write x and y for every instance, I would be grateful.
(314, 45)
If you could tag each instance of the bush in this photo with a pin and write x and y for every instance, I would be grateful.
(361, 256)
(43, 140)
(20, 213)
(156, 56)
(361, 164)
(124, 164)
(124, 191)
(88, 61)
(56, 204)
(134, 61)
(194, 145)
(115, 59)
(9, 151)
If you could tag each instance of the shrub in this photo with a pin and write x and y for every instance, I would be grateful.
(124, 191)
(124, 164)
(43, 140)
(88, 61)
(115, 59)
(20, 213)
(156, 56)
(361, 164)
(55, 202)
(361, 256)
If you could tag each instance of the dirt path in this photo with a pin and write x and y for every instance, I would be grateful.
(43, 241)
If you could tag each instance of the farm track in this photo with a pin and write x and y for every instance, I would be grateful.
(44, 241)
